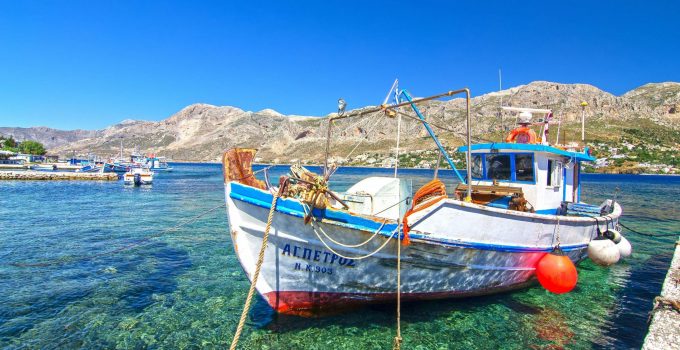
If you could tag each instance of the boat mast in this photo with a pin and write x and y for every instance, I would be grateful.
(468, 165)
(395, 88)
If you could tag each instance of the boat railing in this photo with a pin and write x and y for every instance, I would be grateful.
(410, 102)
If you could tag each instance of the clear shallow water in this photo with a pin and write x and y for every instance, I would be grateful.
(186, 289)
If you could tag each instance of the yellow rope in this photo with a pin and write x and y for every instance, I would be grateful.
(260, 259)
(376, 233)
(397, 338)
(344, 256)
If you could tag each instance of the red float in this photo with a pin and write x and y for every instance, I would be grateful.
(556, 272)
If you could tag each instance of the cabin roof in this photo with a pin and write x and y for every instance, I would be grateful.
(530, 147)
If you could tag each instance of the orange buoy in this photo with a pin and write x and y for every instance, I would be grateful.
(522, 134)
(556, 272)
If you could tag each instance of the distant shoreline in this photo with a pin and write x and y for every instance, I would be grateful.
(407, 168)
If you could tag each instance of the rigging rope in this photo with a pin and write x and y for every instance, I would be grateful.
(343, 244)
(648, 234)
(365, 137)
(341, 255)
(443, 127)
(71, 259)
(260, 259)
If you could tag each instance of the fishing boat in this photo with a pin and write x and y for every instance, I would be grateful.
(138, 176)
(518, 203)
(115, 167)
(87, 167)
(157, 163)
(44, 167)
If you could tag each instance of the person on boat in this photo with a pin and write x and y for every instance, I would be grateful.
(523, 133)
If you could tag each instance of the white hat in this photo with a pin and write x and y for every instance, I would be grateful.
(524, 118)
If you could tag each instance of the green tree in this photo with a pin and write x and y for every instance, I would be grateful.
(32, 147)
(9, 143)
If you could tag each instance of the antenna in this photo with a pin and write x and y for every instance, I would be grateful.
(500, 80)
(584, 104)
(500, 88)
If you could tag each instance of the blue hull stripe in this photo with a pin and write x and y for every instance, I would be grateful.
(291, 207)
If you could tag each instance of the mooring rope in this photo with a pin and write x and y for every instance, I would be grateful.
(648, 234)
(397, 338)
(256, 275)
(71, 259)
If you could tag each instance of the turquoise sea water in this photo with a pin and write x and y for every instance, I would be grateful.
(185, 289)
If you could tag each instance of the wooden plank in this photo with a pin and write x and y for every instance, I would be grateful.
(491, 189)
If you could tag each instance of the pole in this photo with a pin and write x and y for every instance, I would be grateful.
(584, 104)
(436, 167)
(500, 88)
(468, 165)
(396, 153)
(328, 146)
(366, 111)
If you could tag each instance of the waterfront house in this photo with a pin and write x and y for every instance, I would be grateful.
(9, 157)
(51, 158)
(29, 158)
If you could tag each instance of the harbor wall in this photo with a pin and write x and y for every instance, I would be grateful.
(664, 329)
(47, 176)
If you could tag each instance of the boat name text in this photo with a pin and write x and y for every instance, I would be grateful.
(316, 255)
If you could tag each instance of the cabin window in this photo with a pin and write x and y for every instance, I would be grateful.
(554, 173)
(524, 167)
(498, 166)
(516, 167)
(476, 167)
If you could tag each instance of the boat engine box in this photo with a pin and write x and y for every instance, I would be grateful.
(385, 197)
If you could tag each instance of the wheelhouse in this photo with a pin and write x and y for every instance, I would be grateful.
(546, 176)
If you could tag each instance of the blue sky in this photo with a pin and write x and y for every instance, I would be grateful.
(90, 64)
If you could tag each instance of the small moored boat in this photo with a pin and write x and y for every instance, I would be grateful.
(44, 167)
(138, 176)
(157, 163)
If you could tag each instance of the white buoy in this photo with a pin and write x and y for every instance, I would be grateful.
(614, 235)
(603, 251)
(625, 248)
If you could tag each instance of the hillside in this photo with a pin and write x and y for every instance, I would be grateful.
(49, 137)
(646, 118)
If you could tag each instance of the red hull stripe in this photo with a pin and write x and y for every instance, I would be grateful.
(310, 304)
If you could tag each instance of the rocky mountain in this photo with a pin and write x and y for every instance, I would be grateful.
(49, 137)
(200, 132)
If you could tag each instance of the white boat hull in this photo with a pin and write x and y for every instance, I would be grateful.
(143, 178)
(457, 249)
